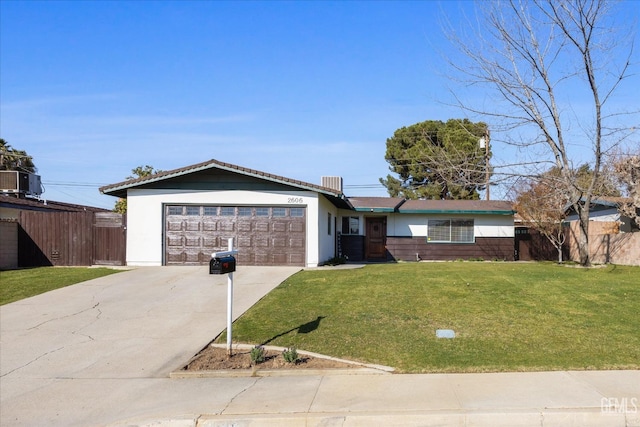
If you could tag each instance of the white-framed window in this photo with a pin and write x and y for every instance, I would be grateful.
(296, 212)
(279, 212)
(227, 211)
(174, 210)
(450, 231)
(244, 211)
(210, 210)
(193, 210)
(350, 225)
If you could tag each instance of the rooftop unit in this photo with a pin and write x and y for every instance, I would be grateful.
(20, 183)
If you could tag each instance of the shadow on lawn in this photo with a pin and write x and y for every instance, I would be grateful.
(305, 328)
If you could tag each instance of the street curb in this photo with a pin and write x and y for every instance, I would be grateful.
(583, 417)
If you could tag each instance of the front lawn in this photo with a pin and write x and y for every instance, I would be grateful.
(18, 284)
(506, 316)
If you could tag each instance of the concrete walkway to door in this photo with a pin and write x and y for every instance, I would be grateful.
(84, 354)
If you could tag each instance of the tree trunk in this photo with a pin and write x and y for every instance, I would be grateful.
(583, 238)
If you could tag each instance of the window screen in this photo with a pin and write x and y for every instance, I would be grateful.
(450, 230)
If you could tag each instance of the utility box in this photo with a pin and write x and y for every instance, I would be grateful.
(222, 265)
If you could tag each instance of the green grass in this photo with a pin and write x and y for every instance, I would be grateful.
(18, 284)
(507, 316)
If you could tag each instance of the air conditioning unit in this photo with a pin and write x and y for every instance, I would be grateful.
(20, 183)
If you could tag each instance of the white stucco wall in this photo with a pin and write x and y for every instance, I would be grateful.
(415, 225)
(326, 239)
(145, 217)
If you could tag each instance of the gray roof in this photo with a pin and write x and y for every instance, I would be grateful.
(7, 201)
(120, 189)
(477, 207)
(376, 204)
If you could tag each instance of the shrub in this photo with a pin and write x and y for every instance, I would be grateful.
(257, 354)
(290, 355)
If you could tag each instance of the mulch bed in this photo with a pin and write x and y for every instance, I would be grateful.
(216, 358)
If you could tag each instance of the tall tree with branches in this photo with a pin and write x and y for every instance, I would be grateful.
(536, 57)
(12, 159)
(437, 160)
(137, 172)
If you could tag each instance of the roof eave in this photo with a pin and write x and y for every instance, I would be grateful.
(457, 211)
(119, 189)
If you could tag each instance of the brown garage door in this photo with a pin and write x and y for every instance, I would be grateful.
(264, 235)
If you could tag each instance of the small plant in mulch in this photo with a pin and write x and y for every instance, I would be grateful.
(257, 355)
(290, 355)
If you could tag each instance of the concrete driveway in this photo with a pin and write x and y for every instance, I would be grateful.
(88, 354)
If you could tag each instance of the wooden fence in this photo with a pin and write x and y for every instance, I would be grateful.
(71, 238)
(606, 244)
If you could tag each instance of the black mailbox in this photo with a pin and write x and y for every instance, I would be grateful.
(222, 265)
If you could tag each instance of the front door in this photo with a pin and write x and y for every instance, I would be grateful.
(375, 239)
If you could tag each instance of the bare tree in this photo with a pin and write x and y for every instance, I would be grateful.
(539, 58)
(543, 209)
(625, 168)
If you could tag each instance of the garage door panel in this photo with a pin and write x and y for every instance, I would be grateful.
(262, 227)
(269, 236)
(279, 242)
(192, 226)
(176, 257)
(296, 227)
(244, 242)
(244, 226)
(193, 241)
(209, 225)
(175, 241)
(296, 243)
(261, 241)
(174, 225)
(226, 226)
(296, 258)
(210, 241)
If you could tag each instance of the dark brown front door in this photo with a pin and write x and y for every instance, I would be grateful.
(375, 240)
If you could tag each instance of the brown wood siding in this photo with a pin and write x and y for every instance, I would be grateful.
(487, 248)
(352, 247)
(69, 239)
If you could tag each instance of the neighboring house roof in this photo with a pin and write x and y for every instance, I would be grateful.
(120, 189)
(376, 204)
(13, 202)
(601, 203)
(475, 207)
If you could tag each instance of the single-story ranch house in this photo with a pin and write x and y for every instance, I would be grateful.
(183, 215)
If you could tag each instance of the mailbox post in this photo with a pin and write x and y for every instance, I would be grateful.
(225, 263)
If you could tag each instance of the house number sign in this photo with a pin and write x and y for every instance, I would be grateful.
(295, 200)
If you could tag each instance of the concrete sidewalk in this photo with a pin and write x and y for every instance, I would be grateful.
(100, 353)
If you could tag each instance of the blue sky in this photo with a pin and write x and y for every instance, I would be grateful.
(300, 89)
